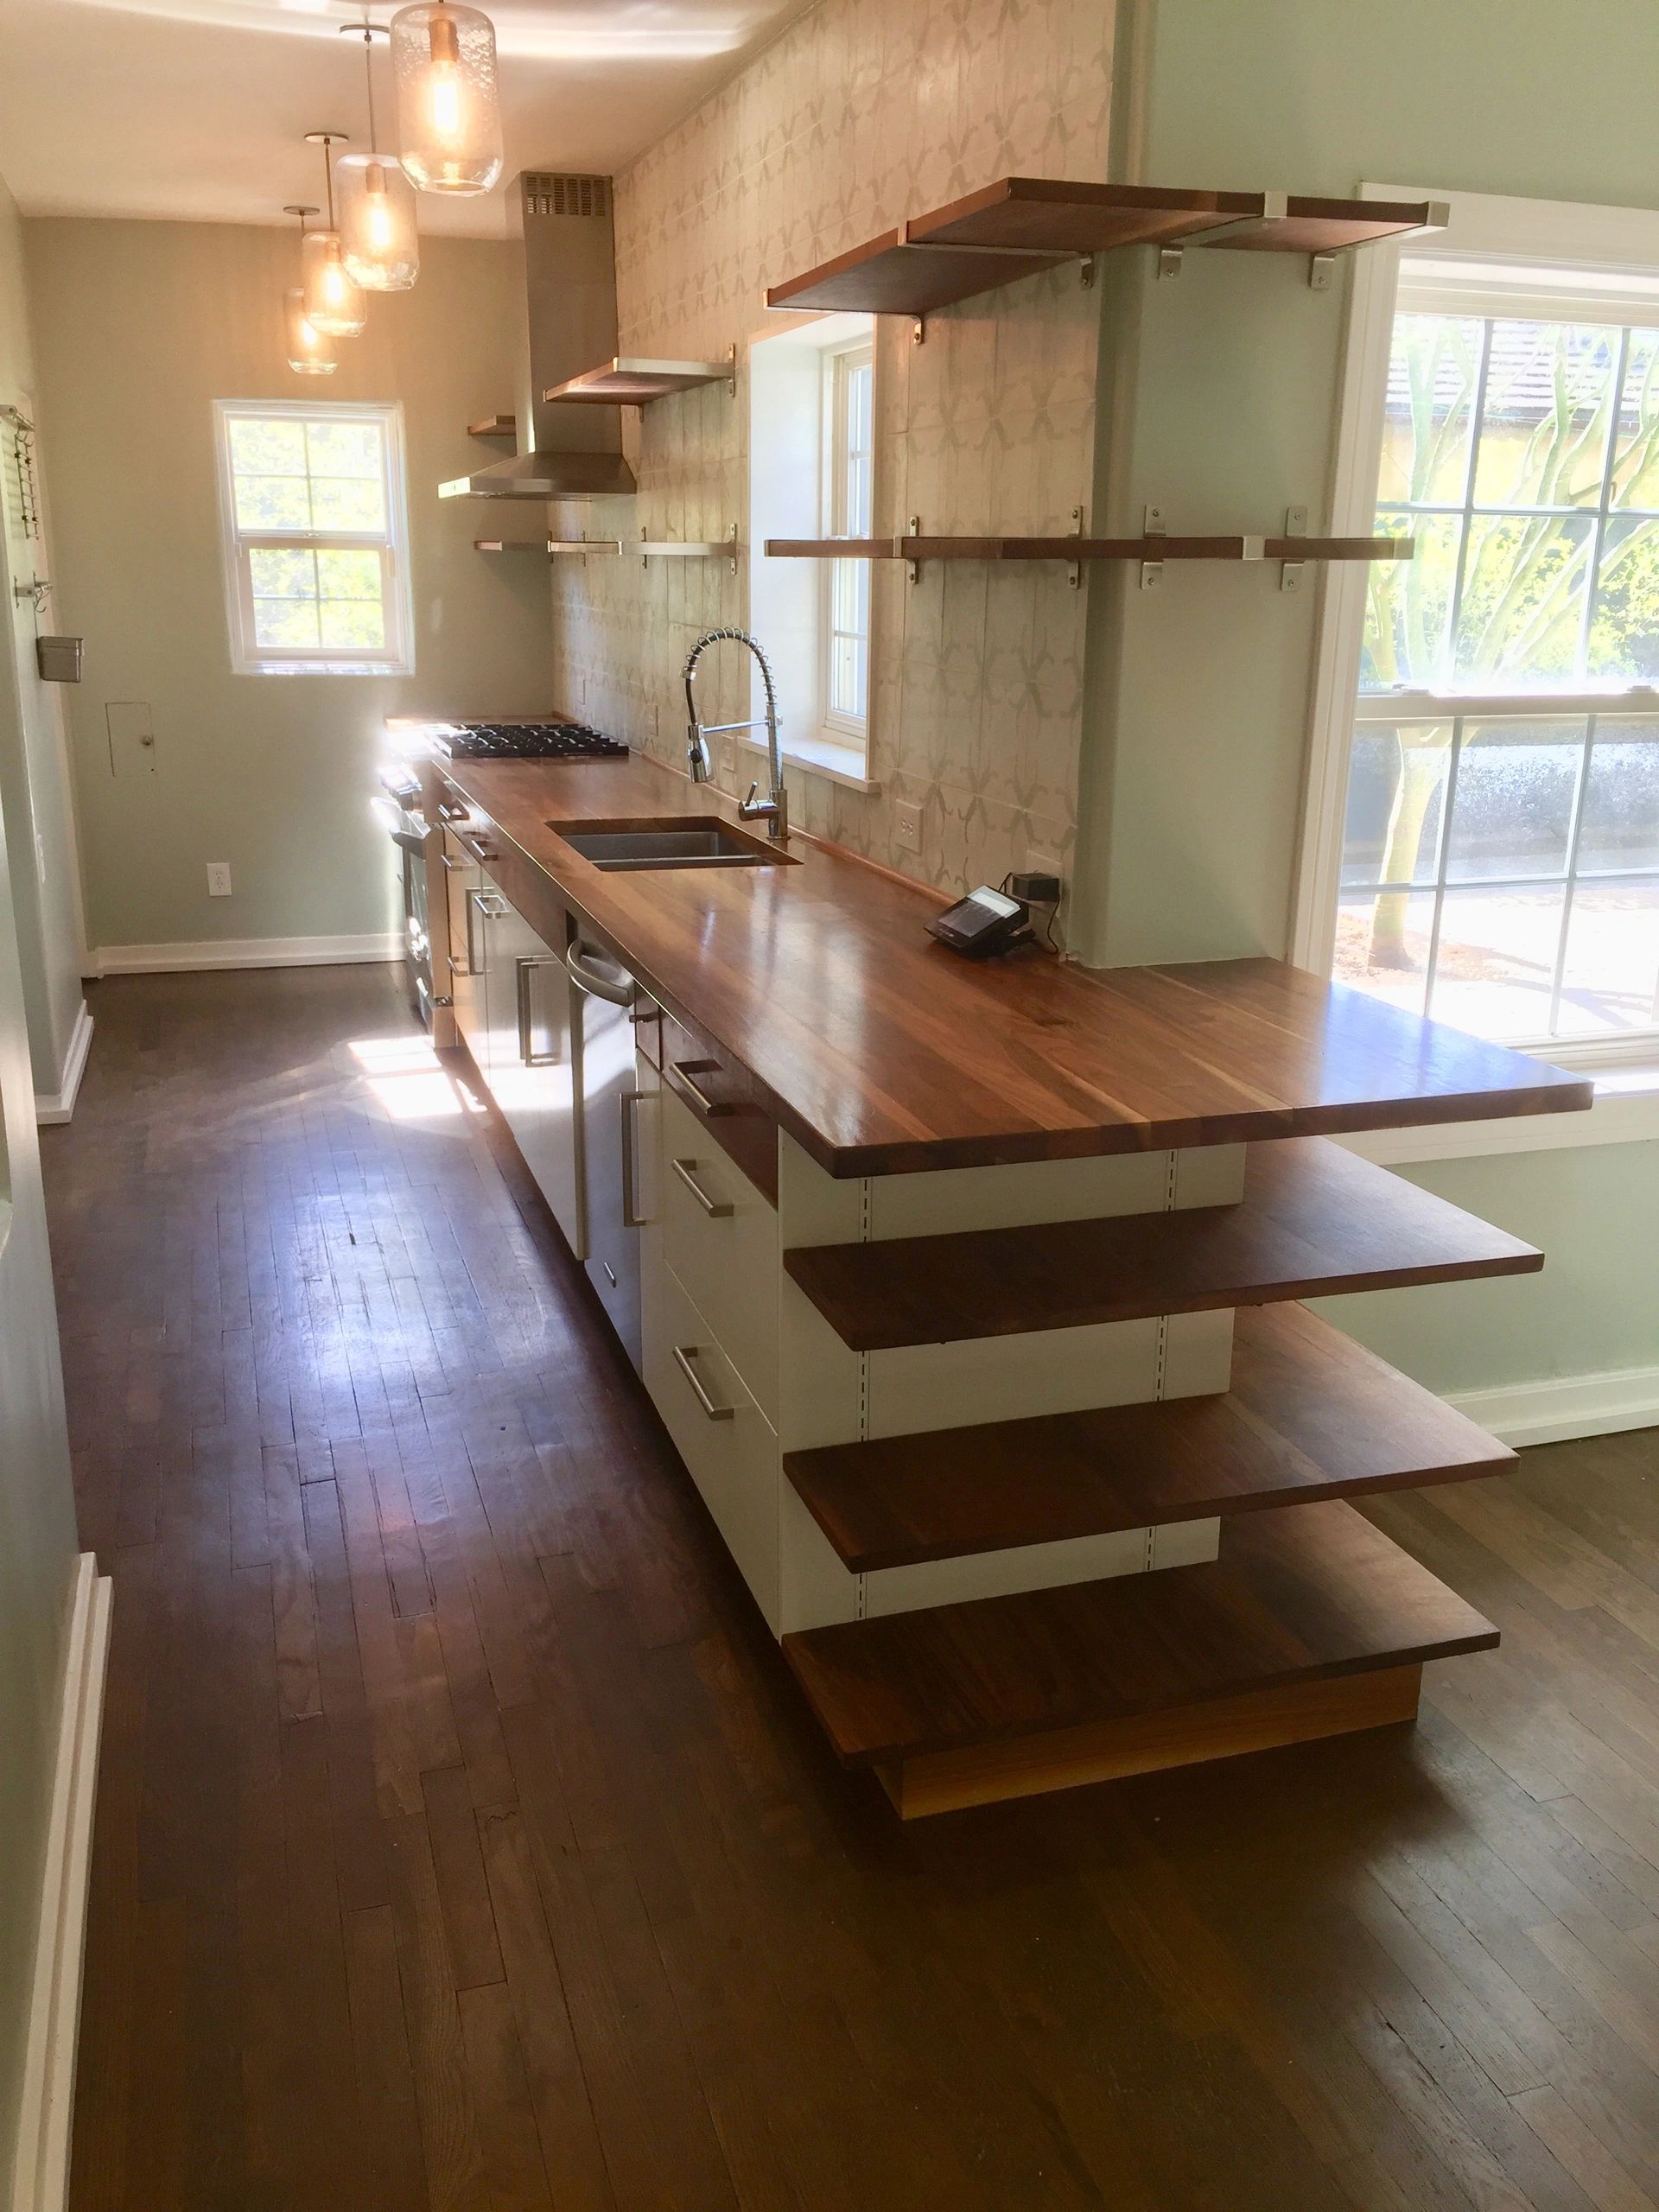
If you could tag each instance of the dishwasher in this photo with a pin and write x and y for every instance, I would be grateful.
(607, 1135)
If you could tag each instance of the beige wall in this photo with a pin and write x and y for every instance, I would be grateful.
(139, 326)
(864, 112)
(35, 778)
(37, 1523)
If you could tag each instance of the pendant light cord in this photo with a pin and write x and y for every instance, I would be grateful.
(329, 175)
(368, 79)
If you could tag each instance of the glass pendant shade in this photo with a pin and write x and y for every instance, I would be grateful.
(333, 302)
(448, 108)
(378, 248)
(310, 351)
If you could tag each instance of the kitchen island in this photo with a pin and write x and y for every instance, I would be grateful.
(968, 1292)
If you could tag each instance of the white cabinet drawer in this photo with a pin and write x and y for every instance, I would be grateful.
(726, 1441)
(719, 1236)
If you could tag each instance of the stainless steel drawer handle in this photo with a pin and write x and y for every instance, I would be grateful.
(683, 1356)
(716, 1209)
(449, 811)
(685, 1073)
(599, 987)
(491, 905)
(454, 866)
(477, 847)
(522, 966)
(632, 1218)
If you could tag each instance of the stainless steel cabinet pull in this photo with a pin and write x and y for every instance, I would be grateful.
(449, 811)
(477, 904)
(683, 1356)
(522, 966)
(631, 1216)
(717, 1208)
(598, 986)
(455, 867)
(686, 1071)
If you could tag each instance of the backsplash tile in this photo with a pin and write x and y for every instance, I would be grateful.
(863, 113)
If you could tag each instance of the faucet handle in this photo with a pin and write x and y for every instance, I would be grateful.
(754, 792)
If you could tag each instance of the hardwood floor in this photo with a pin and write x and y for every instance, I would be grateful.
(463, 1841)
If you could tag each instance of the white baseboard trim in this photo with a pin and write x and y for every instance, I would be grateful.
(249, 952)
(52, 1107)
(1568, 1406)
(40, 2182)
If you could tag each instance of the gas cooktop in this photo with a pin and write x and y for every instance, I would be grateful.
(527, 741)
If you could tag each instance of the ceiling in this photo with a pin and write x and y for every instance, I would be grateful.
(197, 109)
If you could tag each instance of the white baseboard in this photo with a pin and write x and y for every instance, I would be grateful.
(1571, 1405)
(52, 1107)
(248, 952)
(40, 2182)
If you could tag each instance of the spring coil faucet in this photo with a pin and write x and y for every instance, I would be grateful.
(774, 809)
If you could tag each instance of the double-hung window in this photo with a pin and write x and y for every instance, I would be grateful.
(316, 541)
(844, 625)
(1499, 854)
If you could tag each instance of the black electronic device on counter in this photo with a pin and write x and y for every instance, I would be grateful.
(983, 924)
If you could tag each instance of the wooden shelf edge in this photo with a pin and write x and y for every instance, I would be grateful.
(1308, 1594)
(494, 426)
(630, 381)
(1313, 1221)
(1019, 225)
(1309, 1414)
(1074, 550)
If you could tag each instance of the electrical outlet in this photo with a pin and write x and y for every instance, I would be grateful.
(218, 879)
(907, 826)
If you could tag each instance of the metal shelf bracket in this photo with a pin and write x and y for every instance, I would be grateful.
(1292, 574)
(1151, 525)
(1074, 574)
(1171, 260)
(913, 568)
(1321, 271)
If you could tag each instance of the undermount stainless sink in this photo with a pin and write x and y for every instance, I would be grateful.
(690, 840)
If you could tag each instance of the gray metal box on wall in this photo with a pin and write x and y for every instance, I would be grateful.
(59, 659)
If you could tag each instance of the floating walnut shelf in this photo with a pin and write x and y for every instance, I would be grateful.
(1022, 224)
(1090, 548)
(636, 383)
(495, 426)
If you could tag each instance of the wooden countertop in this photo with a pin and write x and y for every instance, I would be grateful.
(881, 1052)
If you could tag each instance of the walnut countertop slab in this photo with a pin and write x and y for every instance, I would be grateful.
(881, 1052)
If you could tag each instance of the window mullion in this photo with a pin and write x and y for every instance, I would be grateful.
(1454, 613)
(1447, 804)
(1575, 831)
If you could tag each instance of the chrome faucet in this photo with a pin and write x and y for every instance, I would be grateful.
(774, 809)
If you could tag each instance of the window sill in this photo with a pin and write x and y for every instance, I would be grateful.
(1626, 1111)
(839, 764)
(323, 668)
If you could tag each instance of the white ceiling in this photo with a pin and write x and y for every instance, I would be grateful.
(197, 109)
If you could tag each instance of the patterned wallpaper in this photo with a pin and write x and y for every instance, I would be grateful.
(865, 112)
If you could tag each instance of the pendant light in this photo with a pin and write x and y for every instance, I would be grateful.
(310, 351)
(378, 243)
(332, 301)
(449, 107)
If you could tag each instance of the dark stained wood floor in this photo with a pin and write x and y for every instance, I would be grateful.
(462, 1842)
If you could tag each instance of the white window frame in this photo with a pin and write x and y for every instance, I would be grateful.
(1614, 255)
(248, 657)
(839, 360)
(787, 599)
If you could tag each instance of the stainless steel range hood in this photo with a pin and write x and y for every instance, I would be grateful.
(564, 452)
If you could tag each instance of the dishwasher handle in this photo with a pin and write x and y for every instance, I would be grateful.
(597, 986)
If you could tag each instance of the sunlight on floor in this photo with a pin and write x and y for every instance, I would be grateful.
(402, 1074)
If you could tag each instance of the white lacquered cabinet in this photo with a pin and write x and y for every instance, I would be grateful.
(531, 1062)
(719, 1236)
(463, 880)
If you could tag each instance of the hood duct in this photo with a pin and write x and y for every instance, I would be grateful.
(564, 452)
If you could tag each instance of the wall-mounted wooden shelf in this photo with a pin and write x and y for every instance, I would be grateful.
(1073, 549)
(648, 548)
(631, 383)
(1019, 225)
(495, 426)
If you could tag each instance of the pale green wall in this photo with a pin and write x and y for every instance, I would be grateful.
(37, 1522)
(1222, 391)
(34, 783)
(139, 326)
